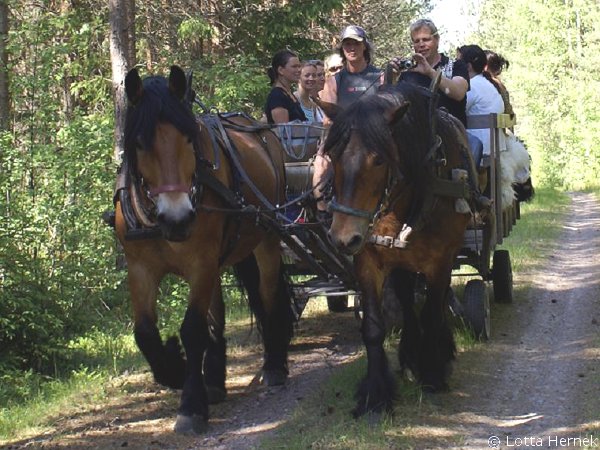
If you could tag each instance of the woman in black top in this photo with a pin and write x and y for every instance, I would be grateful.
(282, 106)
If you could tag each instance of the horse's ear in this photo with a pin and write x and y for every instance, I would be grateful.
(190, 94)
(177, 82)
(395, 113)
(133, 86)
(331, 110)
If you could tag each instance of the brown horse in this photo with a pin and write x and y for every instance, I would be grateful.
(193, 180)
(392, 174)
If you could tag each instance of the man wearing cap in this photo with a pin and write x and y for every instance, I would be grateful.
(357, 78)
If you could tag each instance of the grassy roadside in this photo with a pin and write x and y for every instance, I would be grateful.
(323, 421)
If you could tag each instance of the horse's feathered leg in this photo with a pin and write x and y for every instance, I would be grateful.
(192, 416)
(376, 392)
(166, 361)
(269, 297)
(437, 345)
(216, 353)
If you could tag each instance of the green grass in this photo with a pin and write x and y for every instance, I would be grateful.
(30, 401)
(533, 236)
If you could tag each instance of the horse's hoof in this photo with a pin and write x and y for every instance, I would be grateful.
(274, 377)
(215, 394)
(372, 416)
(191, 425)
(435, 388)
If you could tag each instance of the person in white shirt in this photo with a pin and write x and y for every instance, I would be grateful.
(482, 96)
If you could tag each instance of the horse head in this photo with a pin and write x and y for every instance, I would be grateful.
(160, 133)
(375, 145)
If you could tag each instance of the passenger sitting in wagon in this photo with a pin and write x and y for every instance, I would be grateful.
(454, 82)
(495, 65)
(482, 97)
(309, 87)
(282, 106)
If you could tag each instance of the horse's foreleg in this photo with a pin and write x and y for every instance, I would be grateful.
(376, 391)
(269, 296)
(192, 416)
(166, 361)
(216, 353)
(437, 346)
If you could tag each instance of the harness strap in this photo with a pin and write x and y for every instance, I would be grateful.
(238, 166)
(400, 241)
(333, 205)
(208, 179)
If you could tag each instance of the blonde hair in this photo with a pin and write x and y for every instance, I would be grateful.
(424, 23)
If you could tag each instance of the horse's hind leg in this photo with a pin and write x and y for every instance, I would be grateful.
(215, 357)
(269, 297)
(437, 346)
(166, 361)
(408, 350)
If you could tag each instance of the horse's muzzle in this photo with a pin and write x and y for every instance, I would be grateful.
(175, 215)
(176, 231)
(348, 239)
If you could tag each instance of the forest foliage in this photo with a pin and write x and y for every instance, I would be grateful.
(58, 277)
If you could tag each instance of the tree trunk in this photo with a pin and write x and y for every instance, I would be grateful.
(122, 56)
(4, 82)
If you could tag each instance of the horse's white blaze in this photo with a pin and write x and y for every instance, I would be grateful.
(174, 206)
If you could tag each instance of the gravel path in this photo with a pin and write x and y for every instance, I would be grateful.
(537, 382)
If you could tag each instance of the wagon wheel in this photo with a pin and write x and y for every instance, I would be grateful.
(337, 303)
(476, 308)
(502, 277)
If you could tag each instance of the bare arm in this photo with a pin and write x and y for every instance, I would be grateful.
(329, 95)
(280, 115)
(455, 88)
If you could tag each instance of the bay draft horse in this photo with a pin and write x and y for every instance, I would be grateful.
(181, 167)
(385, 162)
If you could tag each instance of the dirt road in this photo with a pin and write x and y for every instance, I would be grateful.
(534, 384)
(537, 382)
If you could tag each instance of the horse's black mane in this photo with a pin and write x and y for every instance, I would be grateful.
(156, 104)
(411, 135)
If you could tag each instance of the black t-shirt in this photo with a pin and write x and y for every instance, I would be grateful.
(450, 68)
(352, 86)
(278, 98)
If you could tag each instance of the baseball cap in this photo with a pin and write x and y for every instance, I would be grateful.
(354, 32)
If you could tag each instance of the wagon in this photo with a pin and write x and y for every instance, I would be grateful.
(482, 237)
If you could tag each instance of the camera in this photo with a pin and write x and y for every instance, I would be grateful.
(405, 64)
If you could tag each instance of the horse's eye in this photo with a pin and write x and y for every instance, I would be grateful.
(377, 159)
(138, 143)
